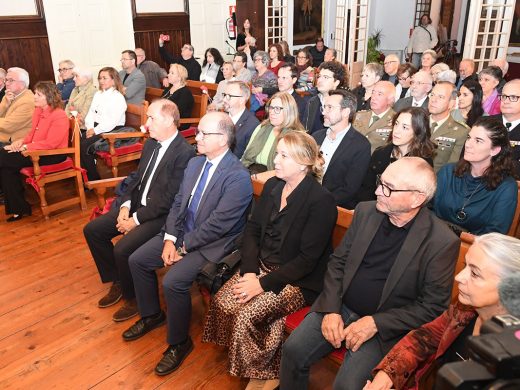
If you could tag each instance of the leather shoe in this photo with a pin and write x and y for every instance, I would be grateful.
(143, 326)
(113, 296)
(127, 311)
(173, 357)
(17, 217)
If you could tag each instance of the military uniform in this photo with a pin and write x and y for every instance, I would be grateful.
(450, 138)
(377, 133)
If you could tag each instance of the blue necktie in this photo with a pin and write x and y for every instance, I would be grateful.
(189, 222)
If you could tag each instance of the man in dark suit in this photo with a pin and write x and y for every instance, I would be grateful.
(345, 150)
(510, 107)
(144, 206)
(391, 65)
(392, 272)
(420, 87)
(208, 214)
(330, 77)
(236, 96)
(286, 81)
(134, 82)
(185, 59)
(466, 72)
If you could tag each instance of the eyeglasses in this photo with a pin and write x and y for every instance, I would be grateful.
(327, 108)
(125, 59)
(275, 109)
(63, 69)
(205, 134)
(326, 77)
(402, 78)
(512, 98)
(229, 96)
(301, 57)
(257, 59)
(387, 191)
(414, 82)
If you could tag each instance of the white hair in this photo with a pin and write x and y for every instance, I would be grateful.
(447, 75)
(83, 72)
(22, 74)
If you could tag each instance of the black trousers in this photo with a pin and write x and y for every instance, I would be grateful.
(12, 185)
(88, 157)
(112, 260)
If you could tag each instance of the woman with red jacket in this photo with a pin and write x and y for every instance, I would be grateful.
(50, 130)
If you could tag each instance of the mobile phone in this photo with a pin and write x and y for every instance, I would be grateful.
(165, 37)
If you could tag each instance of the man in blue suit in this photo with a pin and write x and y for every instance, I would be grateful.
(208, 214)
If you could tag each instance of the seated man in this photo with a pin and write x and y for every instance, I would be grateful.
(208, 214)
(240, 67)
(66, 80)
(466, 72)
(286, 81)
(392, 272)
(145, 205)
(236, 95)
(504, 67)
(391, 65)
(134, 82)
(420, 87)
(156, 77)
(376, 124)
(185, 59)
(17, 106)
(345, 150)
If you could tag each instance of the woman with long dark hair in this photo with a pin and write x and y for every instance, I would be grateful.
(479, 193)
(470, 103)
(211, 72)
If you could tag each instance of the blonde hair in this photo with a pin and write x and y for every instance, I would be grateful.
(290, 111)
(305, 151)
(181, 70)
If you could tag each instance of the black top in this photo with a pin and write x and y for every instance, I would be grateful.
(183, 98)
(317, 56)
(364, 292)
(458, 350)
(362, 104)
(270, 247)
(403, 92)
(241, 40)
(191, 64)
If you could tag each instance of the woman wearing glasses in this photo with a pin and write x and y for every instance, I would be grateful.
(372, 73)
(282, 118)
(410, 137)
(178, 93)
(404, 76)
(306, 72)
(284, 254)
(479, 194)
(489, 78)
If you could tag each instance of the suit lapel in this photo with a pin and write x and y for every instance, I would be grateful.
(297, 203)
(165, 158)
(191, 179)
(342, 148)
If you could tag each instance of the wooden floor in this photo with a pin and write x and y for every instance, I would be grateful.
(53, 335)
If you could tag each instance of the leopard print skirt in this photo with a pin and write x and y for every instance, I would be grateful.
(253, 331)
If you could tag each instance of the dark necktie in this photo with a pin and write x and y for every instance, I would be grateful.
(149, 168)
(375, 118)
(508, 126)
(189, 222)
(434, 126)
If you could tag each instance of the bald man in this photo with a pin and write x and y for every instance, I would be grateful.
(504, 67)
(376, 123)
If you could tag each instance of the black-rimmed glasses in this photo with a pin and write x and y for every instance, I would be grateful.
(229, 96)
(512, 98)
(387, 191)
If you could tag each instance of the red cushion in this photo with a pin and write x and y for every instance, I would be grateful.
(127, 149)
(67, 164)
(191, 132)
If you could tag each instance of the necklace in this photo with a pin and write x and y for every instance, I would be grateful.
(461, 214)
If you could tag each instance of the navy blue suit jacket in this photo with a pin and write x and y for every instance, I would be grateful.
(244, 128)
(222, 212)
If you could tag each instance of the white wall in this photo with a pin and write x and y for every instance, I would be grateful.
(18, 7)
(144, 6)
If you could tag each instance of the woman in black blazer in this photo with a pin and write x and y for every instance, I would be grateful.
(286, 247)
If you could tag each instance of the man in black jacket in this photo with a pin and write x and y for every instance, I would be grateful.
(185, 59)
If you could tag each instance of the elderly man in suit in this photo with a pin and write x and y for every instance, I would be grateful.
(145, 205)
(208, 214)
(376, 124)
(345, 150)
(446, 132)
(392, 272)
(466, 72)
(236, 95)
(133, 79)
(420, 87)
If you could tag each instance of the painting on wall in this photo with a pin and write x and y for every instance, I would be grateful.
(514, 39)
(307, 21)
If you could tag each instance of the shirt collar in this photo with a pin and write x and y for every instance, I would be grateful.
(236, 117)
(217, 159)
(419, 102)
(382, 114)
(339, 135)
(513, 123)
(167, 142)
(439, 122)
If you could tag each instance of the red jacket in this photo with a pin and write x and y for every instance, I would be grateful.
(50, 129)
(412, 356)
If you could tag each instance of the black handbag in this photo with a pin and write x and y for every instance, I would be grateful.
(213, 275)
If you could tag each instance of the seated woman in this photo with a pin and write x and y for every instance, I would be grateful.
(410, 137)
(479, 194)
(470, 103)
(306, 72)
(285, 251)
(428, 59)
(218, 100)
(372, 73)
(211, 72)
(404, 76)
(178, 93)
(489, 78)
(275, 58)
(50, 130)
(437, 69)
(491, 259)
(264, 82)
(82, 95)
(106, 113)
(287, 56)
(283, 118)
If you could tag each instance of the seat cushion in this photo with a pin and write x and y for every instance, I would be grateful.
(67, 164)
(191, 132)
(127, 149)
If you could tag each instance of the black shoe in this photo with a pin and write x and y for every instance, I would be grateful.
(17, 217)
(173, 357)
(143, 326)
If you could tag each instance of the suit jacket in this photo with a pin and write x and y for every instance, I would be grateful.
(313, 120)
(378, 132)
(135, 85)
(407, 102)
(347, 166)
(306, 236)
(418, 287)
(450, 138)
(514, 139)
(459, 82)
(16, 117)
(222, 211)
(244, 128)
(301, 103)
(165, 181)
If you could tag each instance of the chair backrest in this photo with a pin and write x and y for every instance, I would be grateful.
(153, 94)
(194, 87)
(513, 230)
(200, 105)
(136, 114)
(74, 139)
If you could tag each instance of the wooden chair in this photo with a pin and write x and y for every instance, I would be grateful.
(194, 87)
(135, 117)
(38, 176)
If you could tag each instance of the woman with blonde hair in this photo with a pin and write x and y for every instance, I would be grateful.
(372, 73)
(282, 118)
(177, 92)
(284, 255)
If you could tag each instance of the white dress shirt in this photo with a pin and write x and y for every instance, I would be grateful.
(329, 146)
(107, 109)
